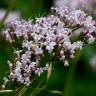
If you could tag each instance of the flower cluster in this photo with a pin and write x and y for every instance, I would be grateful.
(88, 5)
(12, 16)
(51, 35)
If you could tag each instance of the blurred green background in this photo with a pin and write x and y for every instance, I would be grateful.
(77, 80)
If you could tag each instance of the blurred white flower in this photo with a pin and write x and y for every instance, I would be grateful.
(93, 62)
(38, 51)
(11, 17)
(91, 39)
(5, 79)
(66, 63)
(88, 5)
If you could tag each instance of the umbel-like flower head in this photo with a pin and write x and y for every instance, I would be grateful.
(50, 35)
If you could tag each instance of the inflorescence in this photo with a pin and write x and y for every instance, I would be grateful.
(52, 34)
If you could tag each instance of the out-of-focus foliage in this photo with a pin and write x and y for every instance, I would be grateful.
(29, 8)
(79, 82)
(33, 8)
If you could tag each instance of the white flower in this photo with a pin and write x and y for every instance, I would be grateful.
(32, 65)
(27, 44)
(67, 45)
(39, 71)
(25, 59)
(66, 63)
(46, 67)
(93, 62)
(77, 16)
(50, 46)
(5, 80)
(38, 51)
(91, 39)
(76, 45)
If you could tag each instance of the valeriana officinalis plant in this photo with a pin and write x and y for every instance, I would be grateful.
(52, 35)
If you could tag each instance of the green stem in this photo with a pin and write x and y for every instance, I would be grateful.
(21, 91)
(7, 13)
(5, 91)
(37, 90)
